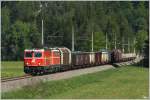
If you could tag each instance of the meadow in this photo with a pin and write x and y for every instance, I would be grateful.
(11, 68)
(128, 82)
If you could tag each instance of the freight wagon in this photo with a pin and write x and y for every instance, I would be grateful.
(82, 59)
(128, 56)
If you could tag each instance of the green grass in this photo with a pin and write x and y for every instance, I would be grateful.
(124, 82)
(11, 68)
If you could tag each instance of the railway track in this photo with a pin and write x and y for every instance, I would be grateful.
(15, 78)
(6, 79)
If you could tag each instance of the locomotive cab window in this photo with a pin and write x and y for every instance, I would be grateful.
(37, 54)
(28, 54)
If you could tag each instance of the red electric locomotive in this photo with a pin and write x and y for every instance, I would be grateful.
(46, 60)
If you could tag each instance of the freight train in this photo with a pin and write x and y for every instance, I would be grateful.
(50, 60)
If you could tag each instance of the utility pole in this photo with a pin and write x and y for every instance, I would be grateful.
(123, 45)
(42, 34)
(128, 46)
(134, 44)
(92, 41)
(72, 38)
(115, 41)
(106, 41)
(41, 9)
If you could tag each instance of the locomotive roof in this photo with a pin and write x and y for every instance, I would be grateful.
(34, 49)
(46, 48)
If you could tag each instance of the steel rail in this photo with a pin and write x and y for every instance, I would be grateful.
(15, 78)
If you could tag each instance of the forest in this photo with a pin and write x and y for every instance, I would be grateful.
(119, 24)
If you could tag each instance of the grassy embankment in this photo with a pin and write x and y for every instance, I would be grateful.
(124, 82)
(11, 68)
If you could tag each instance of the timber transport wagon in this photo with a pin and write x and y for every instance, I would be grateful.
(97, 58)
(92, 58)
(116, 55)
(104, 57)
(77, 59)
(128, 56)
(65, 58)
(86, 58)
(80, 59)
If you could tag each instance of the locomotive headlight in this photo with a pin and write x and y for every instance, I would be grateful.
(39, 63)
(27, 63)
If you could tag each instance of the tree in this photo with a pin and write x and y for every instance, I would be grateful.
(21, 25)
(34, 36)
(5, 28)
(99, 41)
(140, 38)
(146, 53)
(19, 39)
